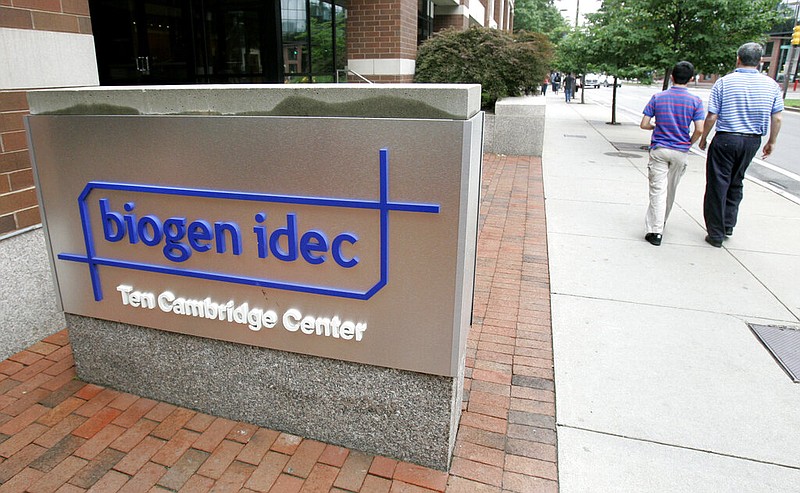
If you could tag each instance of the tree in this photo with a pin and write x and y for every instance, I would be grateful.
(503, 64)
(656, 34)
(540, 16)
(615, 50)
(575, 54)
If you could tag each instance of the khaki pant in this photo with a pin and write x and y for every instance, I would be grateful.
(664, 172)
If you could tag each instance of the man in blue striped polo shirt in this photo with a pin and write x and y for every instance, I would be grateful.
(674, 111)
(744, 105)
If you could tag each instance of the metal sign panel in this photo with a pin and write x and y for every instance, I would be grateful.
(346, 238)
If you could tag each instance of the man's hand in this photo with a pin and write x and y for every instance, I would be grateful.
(711, 120)
(774, 129)
(767, 150)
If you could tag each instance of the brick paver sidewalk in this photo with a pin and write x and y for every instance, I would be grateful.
(58, 434)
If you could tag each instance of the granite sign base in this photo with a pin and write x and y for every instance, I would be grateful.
(400, 414)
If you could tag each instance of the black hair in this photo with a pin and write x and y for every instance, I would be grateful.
(682, 72)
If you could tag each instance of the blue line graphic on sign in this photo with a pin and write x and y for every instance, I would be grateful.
(382, 205)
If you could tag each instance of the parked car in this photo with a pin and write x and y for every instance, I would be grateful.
(608, 80)
(592, 80)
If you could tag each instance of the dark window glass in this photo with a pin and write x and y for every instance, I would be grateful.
(313, 39)
(294, 22)
(424, 20)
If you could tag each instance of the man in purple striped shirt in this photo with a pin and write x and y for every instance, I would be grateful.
(674, 111)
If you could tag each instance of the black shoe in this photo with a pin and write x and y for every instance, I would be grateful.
(653, 238)
(714, 242)
(728, 231)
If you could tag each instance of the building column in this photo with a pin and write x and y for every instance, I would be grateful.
(382, 39)
(489, 21)
(774, 58)
(499, 13)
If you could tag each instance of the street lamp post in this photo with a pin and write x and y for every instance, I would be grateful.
(791, 57)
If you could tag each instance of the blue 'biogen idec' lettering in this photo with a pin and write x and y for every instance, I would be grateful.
(181, 240)
(179, 237)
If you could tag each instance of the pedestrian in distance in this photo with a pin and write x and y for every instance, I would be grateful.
(569, 86)
(744, 105)
(674, 111)
(556, 82)
(545, 83)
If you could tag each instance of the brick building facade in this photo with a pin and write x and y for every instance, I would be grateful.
(72, 43)
(43, 44)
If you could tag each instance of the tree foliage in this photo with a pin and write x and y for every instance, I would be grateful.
(640, 35)
(575, 53)
(540, 16)
(503, 64)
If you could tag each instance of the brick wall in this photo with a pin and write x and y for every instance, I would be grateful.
(70, 16)
(446, 21)
(381, 29)
(18, 205)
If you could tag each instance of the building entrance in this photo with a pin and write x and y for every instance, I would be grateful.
(217, 41)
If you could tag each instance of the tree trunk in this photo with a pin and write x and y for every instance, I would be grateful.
(667, 75)
(583, 86)
(614, 104)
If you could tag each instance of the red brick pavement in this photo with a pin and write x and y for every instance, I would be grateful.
(58, 434)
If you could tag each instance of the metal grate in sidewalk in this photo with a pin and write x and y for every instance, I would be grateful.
(630, 146)
(784, 344)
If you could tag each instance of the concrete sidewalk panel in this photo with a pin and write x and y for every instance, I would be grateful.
(761, 201)
(687, 378)
(593, 462)
(622, 221)
(699, 278)
(596, 171)
(597, 189)
(766, 234)
(767, 222)
(778, 271)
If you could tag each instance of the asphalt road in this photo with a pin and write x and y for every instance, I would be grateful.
(781, 170)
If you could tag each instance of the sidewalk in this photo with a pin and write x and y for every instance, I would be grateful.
(58, 434)
(660, 384)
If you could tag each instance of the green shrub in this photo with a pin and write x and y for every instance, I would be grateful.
(503, 64)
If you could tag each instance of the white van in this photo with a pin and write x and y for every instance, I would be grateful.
(592, 80)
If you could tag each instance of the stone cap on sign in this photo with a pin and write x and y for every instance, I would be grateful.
(418, 101)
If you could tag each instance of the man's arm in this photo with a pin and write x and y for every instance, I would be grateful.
(698, 130)
(711, 120)
(646, 125)
(774, 129)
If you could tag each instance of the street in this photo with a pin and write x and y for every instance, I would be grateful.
(780, 171)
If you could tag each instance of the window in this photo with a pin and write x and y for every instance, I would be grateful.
(424, 20)
(313, 39)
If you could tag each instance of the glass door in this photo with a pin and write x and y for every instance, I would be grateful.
(165, 41)
(187, 41)
(143, 41)
(241, 41)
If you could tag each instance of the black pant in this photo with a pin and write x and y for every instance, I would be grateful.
(728, 157)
